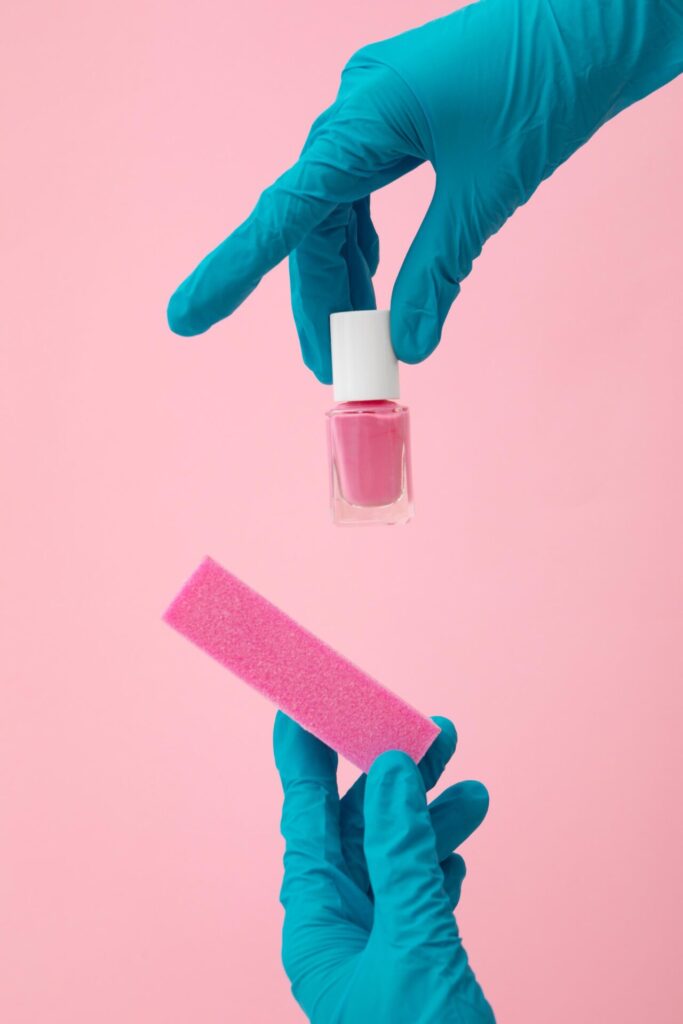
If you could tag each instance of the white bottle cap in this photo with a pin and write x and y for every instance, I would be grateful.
(364, 365)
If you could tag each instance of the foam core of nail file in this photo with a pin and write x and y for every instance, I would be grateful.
(302, 675)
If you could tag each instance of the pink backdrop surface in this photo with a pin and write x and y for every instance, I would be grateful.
(536, 599)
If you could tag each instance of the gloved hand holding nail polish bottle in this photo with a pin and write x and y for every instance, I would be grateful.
(495, 96)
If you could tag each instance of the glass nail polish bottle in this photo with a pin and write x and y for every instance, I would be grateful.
(367, 431)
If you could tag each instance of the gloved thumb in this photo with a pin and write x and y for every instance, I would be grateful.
(428, 282)
(411, 905)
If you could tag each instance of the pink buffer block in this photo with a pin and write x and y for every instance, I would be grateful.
(321, 690)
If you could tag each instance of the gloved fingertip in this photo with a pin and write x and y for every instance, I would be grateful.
(456, 865)
(283, 721)
(283, 728)
(476, 793)
(414, 333)
(448, 729)
(454, 872)
(321, 373)
(317, 358)
(439, 753)
(179, 316)
(390, 769)
(299, 753)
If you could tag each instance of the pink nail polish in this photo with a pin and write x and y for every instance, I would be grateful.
(368, 432)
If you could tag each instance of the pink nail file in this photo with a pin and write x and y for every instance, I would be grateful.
(321, 690)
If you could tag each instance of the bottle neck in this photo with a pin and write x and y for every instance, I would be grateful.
(368, 404)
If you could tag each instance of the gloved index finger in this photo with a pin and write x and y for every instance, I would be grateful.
(293, 205)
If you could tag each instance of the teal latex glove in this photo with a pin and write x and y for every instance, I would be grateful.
(370, 885)
(495, 96)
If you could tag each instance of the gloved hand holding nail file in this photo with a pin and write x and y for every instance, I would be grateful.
(371, 882)
(318, 688)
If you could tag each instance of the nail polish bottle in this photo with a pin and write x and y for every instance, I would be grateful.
(367, 431)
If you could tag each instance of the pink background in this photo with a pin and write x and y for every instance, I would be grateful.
(536, 599)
